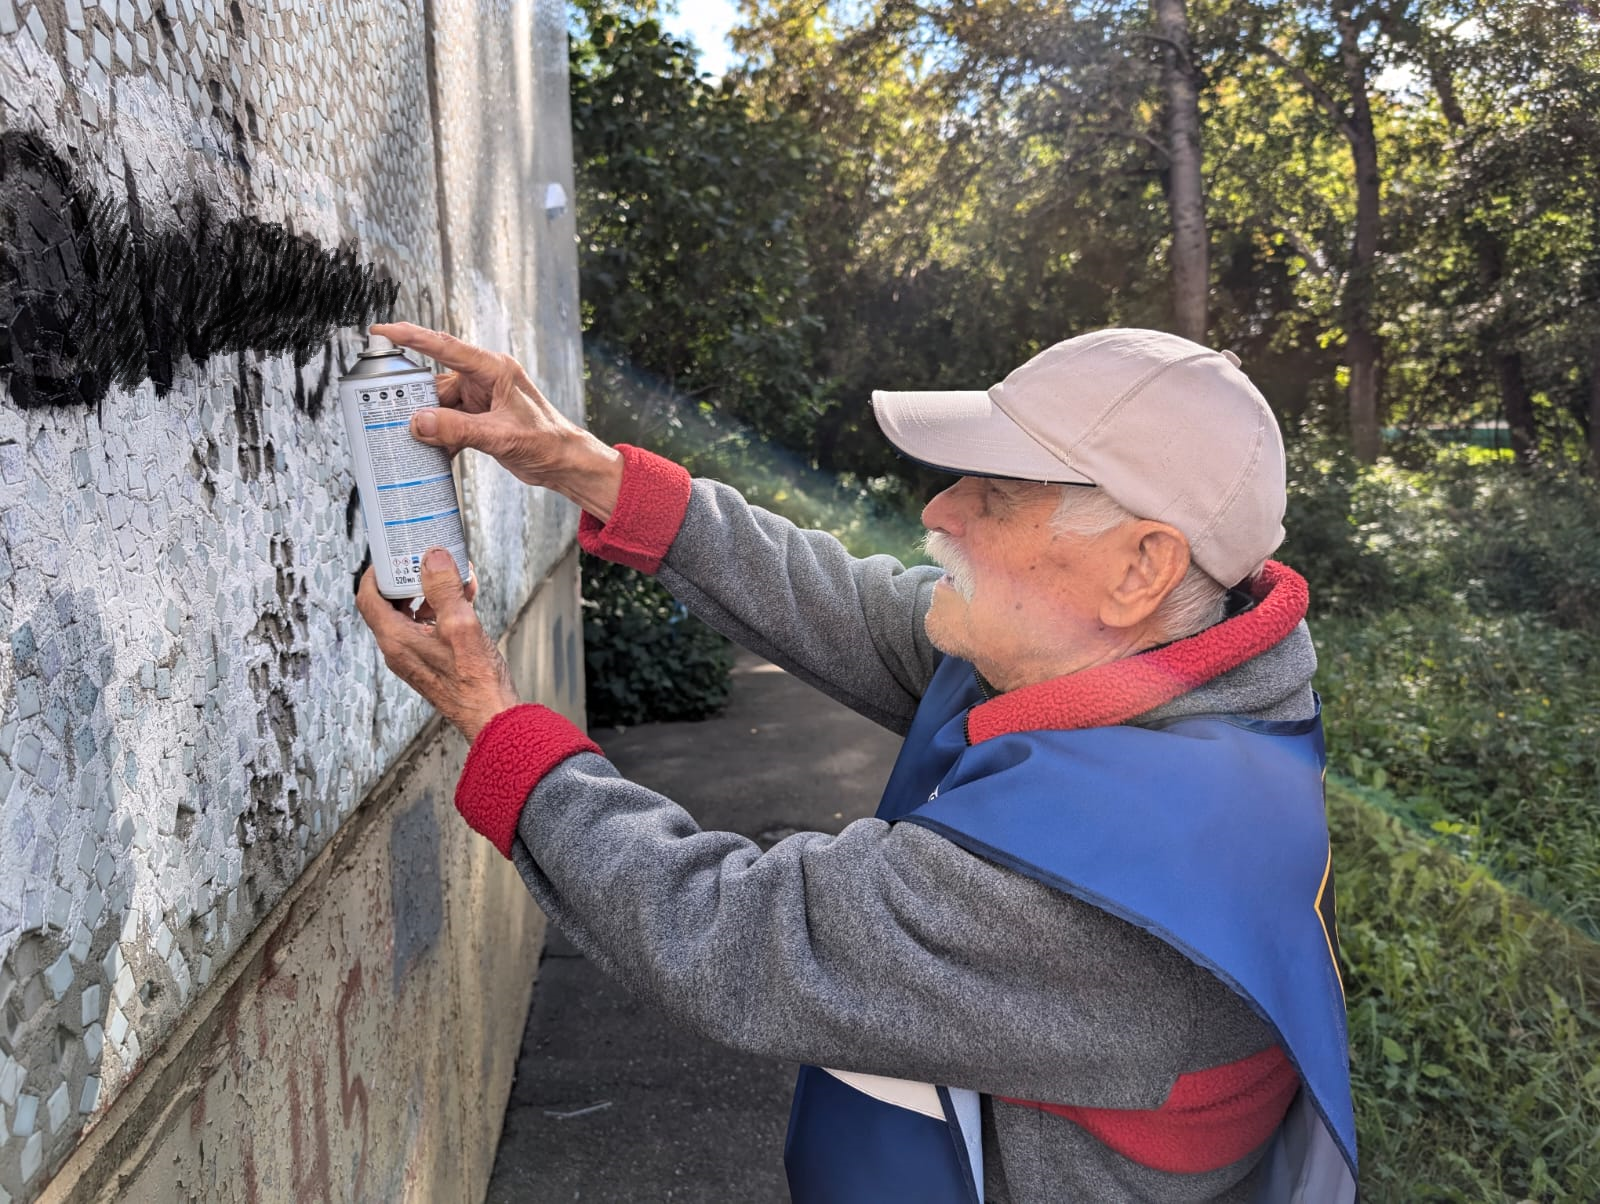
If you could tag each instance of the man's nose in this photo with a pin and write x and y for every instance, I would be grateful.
(946, 511)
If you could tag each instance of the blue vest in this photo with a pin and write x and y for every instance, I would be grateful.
(1209, 833)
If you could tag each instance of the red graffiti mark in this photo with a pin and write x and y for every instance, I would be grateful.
(239, 1063)
(252, 1189)
(311, 1182)
(352, 1090)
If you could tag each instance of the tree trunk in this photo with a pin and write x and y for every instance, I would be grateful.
(1362, 347)
(1191, 271)
(1516, 402)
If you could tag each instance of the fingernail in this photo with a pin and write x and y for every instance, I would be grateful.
(425, 423)
(436, 559)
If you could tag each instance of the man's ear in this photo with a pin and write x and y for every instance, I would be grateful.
(1152, 558)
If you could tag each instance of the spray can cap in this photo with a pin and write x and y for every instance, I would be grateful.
(377, 345)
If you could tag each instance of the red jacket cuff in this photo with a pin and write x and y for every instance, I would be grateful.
(650, 509)
(511, 755)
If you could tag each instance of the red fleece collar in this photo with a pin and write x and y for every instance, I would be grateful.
(1115, 693)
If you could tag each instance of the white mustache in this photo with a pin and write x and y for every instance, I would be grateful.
(947, 554)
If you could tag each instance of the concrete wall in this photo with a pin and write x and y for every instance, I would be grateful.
(227, 954)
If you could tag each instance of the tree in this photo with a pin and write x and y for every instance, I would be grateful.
(1180, 84)
(1329, 56)
(691, 267)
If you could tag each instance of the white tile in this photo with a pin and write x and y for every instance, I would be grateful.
(58, 1106)
(11, 1075)
(36, 29)
(60, 907)
(27, 1112)
(59, 976)
(32, 1155)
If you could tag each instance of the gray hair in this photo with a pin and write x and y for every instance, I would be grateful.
(1194, 604)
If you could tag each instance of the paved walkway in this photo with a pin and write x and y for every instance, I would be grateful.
(612, 1102)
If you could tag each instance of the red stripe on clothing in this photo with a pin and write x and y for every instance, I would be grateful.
(650, 507)
(1116, 692)
(1211, 1119)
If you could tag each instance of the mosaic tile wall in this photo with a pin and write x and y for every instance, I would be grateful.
(200, 202)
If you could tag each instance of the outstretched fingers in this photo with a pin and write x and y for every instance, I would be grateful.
(446, 348)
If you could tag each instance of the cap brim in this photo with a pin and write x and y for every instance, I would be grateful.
(964, 431)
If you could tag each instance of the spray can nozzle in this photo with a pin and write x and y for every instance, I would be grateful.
(377, 344)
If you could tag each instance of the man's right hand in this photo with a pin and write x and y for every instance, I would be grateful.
(487, 402)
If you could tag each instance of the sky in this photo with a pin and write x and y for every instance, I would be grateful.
(706, 24)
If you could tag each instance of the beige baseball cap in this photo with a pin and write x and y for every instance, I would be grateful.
(1171, 430)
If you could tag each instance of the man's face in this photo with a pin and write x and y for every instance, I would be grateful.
(1019, 601)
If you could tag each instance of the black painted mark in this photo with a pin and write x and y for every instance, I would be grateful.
(416, 889)
(93, 293)
(309, 401)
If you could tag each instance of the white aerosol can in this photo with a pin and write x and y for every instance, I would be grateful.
(408, 495)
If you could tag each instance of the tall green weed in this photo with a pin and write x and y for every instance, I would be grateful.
(1474, 1038)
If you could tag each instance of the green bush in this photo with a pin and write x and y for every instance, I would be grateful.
(1495, 537)
(646, 657)
(1485, 730)
(1475, 1047)
(1336, 545)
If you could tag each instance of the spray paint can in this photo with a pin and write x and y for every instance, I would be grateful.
(408, 495)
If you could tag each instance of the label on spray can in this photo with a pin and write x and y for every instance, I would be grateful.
(408, 495)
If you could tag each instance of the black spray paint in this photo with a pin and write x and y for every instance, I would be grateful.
(95, 291)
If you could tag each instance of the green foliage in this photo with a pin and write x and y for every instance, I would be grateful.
(646, 657)
(1455, 609)
(1498, 538)
(691, 268)
(1475, 1044)
(1484, 730)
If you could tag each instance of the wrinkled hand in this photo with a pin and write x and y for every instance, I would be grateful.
(442, 652)
(488, 403)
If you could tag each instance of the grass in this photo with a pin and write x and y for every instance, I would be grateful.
(1475, 1044)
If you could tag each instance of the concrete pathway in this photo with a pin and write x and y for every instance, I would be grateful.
(612, 1102)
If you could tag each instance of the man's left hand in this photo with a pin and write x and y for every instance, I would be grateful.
(441, 652)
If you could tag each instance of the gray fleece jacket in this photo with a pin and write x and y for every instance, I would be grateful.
(886, 949)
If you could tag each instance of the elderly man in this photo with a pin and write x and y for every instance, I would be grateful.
(1086, 950)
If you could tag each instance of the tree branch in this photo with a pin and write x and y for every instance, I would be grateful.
(1317, 92)
(1169, 43)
